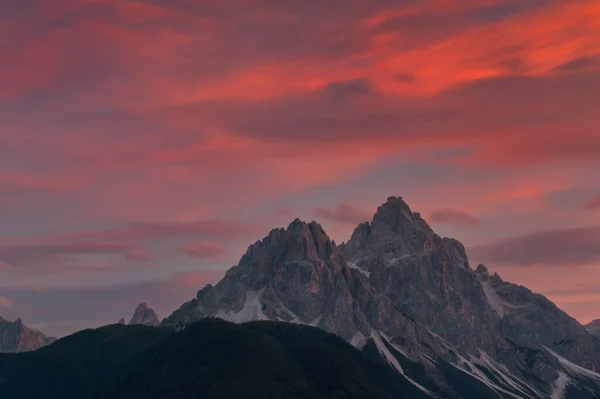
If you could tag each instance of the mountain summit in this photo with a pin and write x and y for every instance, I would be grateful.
(399, 289)
(145, 316)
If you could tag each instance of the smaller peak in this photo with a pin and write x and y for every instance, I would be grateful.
(121, 321)
(482, 269)
(19, 322)
(144, 315)
(496, 278)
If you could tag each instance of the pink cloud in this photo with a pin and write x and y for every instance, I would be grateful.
(5, 302)
(455, 217)
(559, 247)
(197, 279)
(343, 212)
(5, 266)
(593, 203)
(202, 249)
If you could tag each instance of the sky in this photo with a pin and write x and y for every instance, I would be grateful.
(144, 144)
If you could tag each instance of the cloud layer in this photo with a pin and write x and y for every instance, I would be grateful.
(140, 139)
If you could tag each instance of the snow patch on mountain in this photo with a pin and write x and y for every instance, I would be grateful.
(502, 373)
(353, 265)
(560, 386)
(251, 311)
(391, 359)
(572, 368)
(493, 299)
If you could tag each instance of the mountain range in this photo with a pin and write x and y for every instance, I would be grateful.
(398, 291)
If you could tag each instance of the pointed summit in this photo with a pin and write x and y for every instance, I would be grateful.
(299, 241)
(145, 316)
(395, 233)
(397, 215)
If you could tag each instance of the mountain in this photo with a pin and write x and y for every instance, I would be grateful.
(594, 327)
(16, 337)
(209, 359)
(411, 296)
(145, 316)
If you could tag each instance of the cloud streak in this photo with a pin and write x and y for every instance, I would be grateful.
(562, 247)
(592, 204)
(454, 217)
(343, 212)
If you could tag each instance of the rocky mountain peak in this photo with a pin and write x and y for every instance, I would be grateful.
(482, 273)
(145, 316)
(397, 216)
(396, 281)
(301, 241)
(17, 337)
(395, 233)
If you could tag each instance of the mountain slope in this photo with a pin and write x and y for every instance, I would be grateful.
(480, 316)
(594, 328)
(404, 289)
(16, 337)
(209, 359)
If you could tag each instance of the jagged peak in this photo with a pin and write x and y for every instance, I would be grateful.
(396, 214)
(144, 315)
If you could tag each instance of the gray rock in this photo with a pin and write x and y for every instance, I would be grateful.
(15, 337)
(594, 328)
(145, 316)
(396, 281)
(121, 321)
(429, 278)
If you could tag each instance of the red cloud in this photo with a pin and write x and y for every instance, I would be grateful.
(118, 110)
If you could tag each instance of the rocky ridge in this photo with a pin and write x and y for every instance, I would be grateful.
(413, 296)
(594, 327)
(16, 337)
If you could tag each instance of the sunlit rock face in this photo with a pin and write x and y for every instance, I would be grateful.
(16, 337)
(145, 316)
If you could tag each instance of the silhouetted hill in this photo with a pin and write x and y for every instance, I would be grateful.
(209, 359)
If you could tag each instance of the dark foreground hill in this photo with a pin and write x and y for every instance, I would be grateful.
(209, 359)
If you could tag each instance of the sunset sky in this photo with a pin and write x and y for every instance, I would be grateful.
(145, 144)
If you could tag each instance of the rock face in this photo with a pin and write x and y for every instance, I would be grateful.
(145, 316)
(594, 327)
(121, 321)
(16, 337)
(412, 295)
